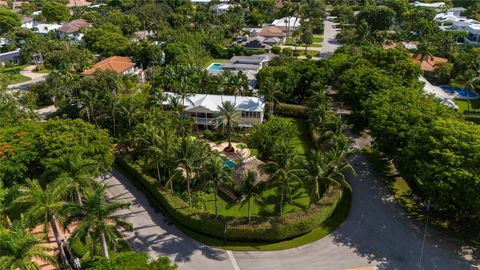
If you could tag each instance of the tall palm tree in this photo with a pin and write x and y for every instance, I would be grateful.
(250, 190)
(283, 170)
(218, 174)
(72, 168)
(228, 117)
(189, 157)
(44, 205)
(270, 89)
(19, 248)
(96, 217)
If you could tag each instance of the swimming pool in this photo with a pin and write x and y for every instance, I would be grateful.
(460, 93)
(215, 66)
(230, 163)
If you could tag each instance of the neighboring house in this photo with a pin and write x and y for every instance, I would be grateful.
(272, 31)
(409, 45)
(244, 63)
(457, 11)
(27, 23)
(12, 57)
(204, 108)
(450, 21)
(119, 64)
(435, 5)
(45, 28)
(78, 3)
(249, 65)
(428, 65)
(221, 8)
(473, 36)
(292, 22)
(253, 43)
(72, 30)
(3, 4)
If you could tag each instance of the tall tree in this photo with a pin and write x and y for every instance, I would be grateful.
(19, 248)
(45, 205)
(218, 174)
(270, 89)
(250, 190)
(74, 170)
(97, 218)
(228, 117)
(283, 170)
(189, 157)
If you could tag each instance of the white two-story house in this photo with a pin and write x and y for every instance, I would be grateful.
(204, 108)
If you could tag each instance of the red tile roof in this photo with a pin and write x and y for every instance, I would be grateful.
(271, 31)
(119, 64)
(429, 63)
(74, 26)
(78, 3)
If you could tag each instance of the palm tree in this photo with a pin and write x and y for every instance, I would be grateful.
(96, 217)
(270, 89)
(228, 117)
(19, 248)
(283, 169)
(250, 190)
(189, 156)
(44, 205)
(74, 170)
(218, 174)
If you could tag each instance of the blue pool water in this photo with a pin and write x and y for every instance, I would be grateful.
(460, 93)
(230, 163)
(215, 66)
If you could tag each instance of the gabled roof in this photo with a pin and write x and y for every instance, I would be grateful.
(212, 102)
(73, 26)
(429, 63)
(271, 31)
(78, 3)
(118, 64)
(3, 4)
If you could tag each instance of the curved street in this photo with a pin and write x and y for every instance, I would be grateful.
(377, 233)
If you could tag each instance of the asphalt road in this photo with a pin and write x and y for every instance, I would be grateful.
(377, 233)
(330, 43)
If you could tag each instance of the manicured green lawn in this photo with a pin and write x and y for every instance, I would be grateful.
(270, 206)
(302, 142)
(463, 104)
(13, 74)
(318, 39)
(338, 216)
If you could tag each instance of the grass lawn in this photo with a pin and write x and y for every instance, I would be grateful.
(270, 206)
(338, 216)
(474, 105)
(318, 39)
(463, 104)
(215, 60)
(302, 142)
(13, 74)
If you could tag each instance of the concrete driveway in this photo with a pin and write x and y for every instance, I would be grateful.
(34, 77)
(377, 233)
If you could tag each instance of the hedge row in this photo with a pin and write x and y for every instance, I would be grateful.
(264, 229)
(291, 110)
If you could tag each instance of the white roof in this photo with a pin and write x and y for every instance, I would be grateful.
(44, 28)
(221, 6)
(211, 102)
(429, 5)
(206, 1)
(291, 21)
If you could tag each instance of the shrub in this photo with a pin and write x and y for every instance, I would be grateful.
(297, 53)
(276, 49)
(263, 229)
(207, 134)
(287, 52)
(309, 56)
(292, 110)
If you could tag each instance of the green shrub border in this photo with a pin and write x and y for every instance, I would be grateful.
(264, 230)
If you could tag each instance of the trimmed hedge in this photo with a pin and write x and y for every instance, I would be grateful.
(292, 110)
(263, 229)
